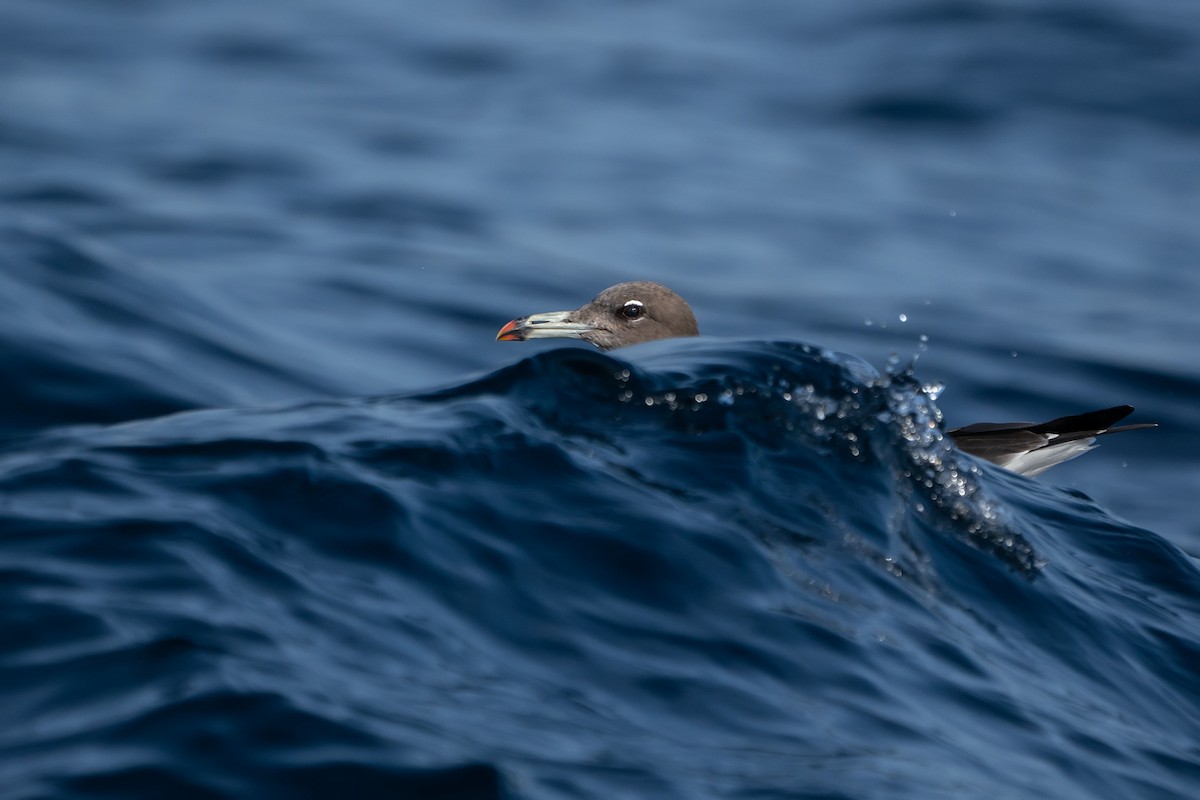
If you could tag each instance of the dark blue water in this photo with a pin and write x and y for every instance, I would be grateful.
(279, 519)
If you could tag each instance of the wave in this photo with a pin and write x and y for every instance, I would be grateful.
(696, 566)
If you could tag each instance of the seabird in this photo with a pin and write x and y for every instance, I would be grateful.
(642, 311)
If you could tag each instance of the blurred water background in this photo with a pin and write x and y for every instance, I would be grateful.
(278, 518)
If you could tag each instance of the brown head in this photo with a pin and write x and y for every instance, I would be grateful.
(625, 314)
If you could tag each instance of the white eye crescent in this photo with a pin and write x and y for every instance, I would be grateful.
(633, 309)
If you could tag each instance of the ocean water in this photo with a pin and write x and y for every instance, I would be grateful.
(279, 519)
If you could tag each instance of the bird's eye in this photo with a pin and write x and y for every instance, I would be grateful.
(633, 310)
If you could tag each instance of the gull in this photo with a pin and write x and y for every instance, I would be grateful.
(644, 311)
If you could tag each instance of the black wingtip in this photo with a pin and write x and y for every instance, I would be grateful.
(1101, 420)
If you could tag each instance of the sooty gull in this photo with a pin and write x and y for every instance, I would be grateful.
(642, 311)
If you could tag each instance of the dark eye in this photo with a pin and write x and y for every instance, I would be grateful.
(633, 310)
